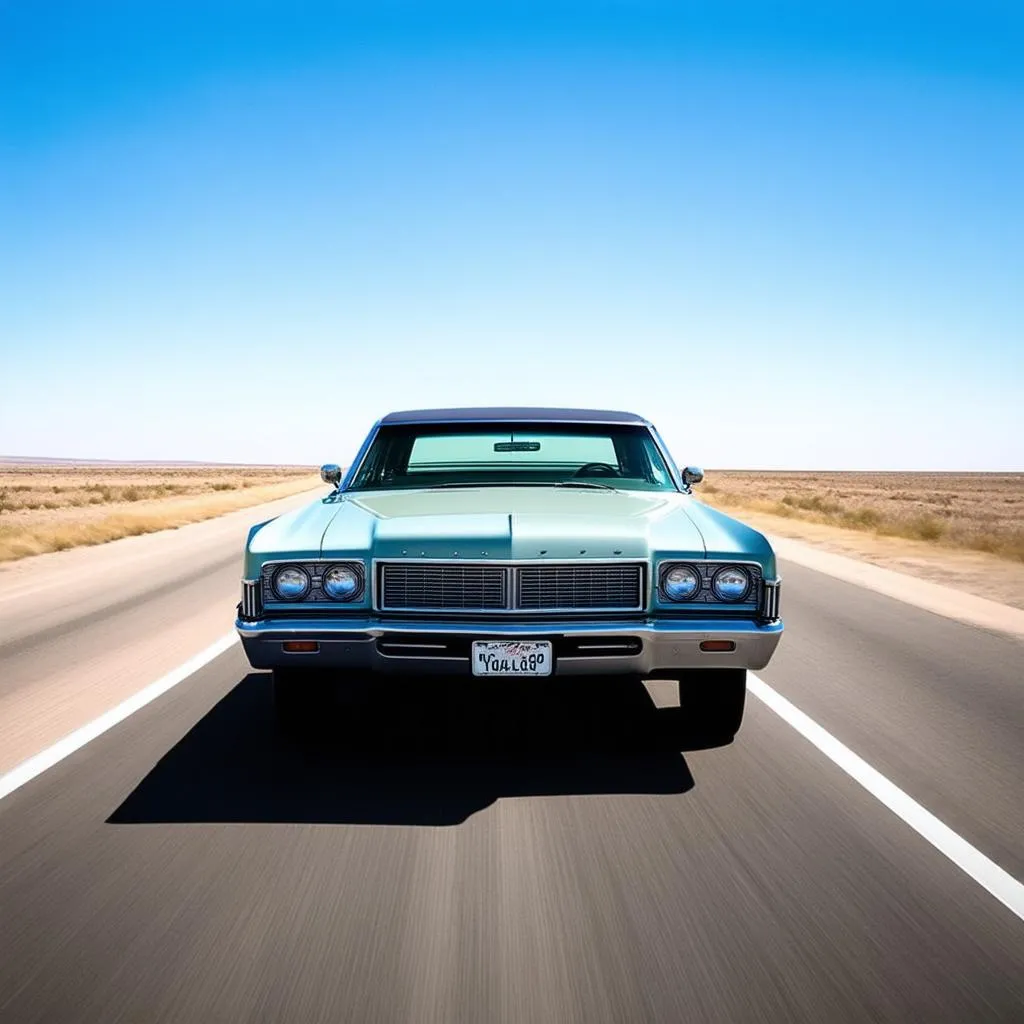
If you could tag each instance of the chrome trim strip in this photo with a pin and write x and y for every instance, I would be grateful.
(665, 645)
(415, 646)
(251, 607)
(411, 656)
(772, 599)
(372, 627)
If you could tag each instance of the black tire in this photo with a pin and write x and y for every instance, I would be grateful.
(711, 701)
(300, 698)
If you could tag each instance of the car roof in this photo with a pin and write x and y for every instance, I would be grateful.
(512, 414)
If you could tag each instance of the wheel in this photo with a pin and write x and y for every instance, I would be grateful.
(711, 701)
(300, 697)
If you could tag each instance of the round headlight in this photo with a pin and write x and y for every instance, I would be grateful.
(731, 584)
(680, 583)
(291, 583)
(340, 582)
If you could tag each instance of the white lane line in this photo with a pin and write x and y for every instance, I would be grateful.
(986, 873)
(36, 765)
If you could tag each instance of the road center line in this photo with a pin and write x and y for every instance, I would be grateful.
(985, 872)
(38, 763)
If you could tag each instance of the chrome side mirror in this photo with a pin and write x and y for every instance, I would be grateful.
(692, 475)
(330, 474)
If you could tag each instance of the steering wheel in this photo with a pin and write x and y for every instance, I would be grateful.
(596, 469)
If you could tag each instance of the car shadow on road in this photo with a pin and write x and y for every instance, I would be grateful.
(417, 754)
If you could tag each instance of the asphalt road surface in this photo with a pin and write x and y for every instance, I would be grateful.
(502, 852)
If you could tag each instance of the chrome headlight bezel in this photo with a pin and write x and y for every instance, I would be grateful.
(355, 570)
(291, 567)
(739, 597)
(667, 570)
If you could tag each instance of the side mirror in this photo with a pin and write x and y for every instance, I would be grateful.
(692, 475)
(330, 474)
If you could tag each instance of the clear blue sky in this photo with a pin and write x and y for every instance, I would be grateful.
(791, 234)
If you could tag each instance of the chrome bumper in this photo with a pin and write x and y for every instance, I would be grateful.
(430, 647)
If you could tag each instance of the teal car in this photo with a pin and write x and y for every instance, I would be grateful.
(509, 542)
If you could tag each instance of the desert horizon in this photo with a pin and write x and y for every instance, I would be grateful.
(960, 528)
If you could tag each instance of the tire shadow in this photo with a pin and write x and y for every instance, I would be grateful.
(423, 752)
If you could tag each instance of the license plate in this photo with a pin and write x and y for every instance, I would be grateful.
(512, 658)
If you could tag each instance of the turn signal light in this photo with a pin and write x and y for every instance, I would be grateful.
(716, 646)
(301, 646)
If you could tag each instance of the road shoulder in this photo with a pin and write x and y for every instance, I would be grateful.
(933, 597)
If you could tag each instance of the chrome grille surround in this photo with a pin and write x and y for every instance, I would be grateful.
(434, 586)
(510, 587)
(599, 587)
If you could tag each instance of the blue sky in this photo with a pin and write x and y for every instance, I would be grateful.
(791, 234)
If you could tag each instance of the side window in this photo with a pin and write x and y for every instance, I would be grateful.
(659, 472)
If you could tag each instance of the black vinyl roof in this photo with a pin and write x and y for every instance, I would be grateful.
(512, 414)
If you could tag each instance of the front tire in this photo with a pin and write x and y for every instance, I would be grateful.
(712, 702)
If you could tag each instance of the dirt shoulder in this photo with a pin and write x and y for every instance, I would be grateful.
(961, 530)
(45, 508)
(974, 572)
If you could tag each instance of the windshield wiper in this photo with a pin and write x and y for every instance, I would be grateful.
(437, 487)
(589, 484)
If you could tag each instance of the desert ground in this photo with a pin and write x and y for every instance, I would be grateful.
(50, 507)
(962, 529)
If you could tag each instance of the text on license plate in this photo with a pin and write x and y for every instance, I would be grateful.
(512, 657)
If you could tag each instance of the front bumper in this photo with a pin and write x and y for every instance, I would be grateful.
(644, 647)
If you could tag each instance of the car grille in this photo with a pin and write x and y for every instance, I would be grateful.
(443, 587)
(572, 587)
(506, 588)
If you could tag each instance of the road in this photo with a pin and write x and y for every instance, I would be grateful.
(497, 853)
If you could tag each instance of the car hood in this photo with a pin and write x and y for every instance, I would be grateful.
(512, 522)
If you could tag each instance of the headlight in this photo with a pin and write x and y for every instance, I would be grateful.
(341, 582)
(680, 583)
(731, 584)
(291, 583)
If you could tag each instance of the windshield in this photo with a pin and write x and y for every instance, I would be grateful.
(495, 454)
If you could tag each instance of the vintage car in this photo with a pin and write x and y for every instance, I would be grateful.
(511, 542)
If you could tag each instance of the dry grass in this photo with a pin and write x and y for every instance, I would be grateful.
(976, 511)
(49, 508)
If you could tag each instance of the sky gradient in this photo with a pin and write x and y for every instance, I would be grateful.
(792, 235)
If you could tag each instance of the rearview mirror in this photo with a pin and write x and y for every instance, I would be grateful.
(330, 474)
(692, 475)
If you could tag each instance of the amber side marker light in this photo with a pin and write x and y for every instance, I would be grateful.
(301, 646)
(713, 646)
